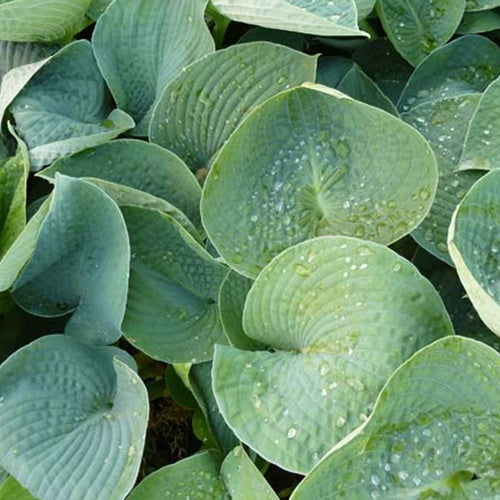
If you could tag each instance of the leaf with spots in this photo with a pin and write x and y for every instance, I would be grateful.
(417, 27)
(172, 310)
(83, 434)
(433, 433)
(65, 107)
(310, 162)
(140, 46)
(201, 108)
(321, 17)
(474, 243)
(339, 314)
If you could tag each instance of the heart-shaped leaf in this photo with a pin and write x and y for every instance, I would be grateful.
(138, 165)
(417, 27)
(340, 314)
(482, 147)
(141, 46)
(80, 264)
(474, 243)
(41, 20)
(236, 478)
(172, 311)
(433, 433)
(76, 438)
(321, 17)
(64, 107)
(311, 162)
(201, 108)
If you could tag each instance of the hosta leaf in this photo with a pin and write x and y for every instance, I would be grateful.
(41, 20)
(380, 61)
(474, 243)
(444, 124)
(10, 489)
(82, 435)
(353, 82)
(473, 5)
(13, 178)
(141, 46)
(201, 108)
(340, 315)
(321, 17)
(172, 311)
(65, 107)
(138, 165)
(232, 297)
(201, 385)
(434, 427)
(465, 66)
(311, 162)
(364, 7)
(480, 22)
(80, 264)
(97, 7)
(14, 54)
(417, 27)
(236, 479)
(482, 146)
(198, 473)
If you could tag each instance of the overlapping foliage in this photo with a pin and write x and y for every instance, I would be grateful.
(279, 219)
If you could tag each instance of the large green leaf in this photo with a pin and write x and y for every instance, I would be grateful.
(141, 46)
(73, 420)
(465, 66)
(482, 145)
(417, 27)
(475, 5)
(41, 20)
(444, 123)
(10, 489)
(321, 17)
(13, 179)
(14, 54)
(203, 476)
(380, 61)
(64, 107)
(201, 108)
(349, 78)
(474, 243)
(172, 311)
(340, 314)
(434, 429)
(80, 264)
(139, 165)
(309, 162)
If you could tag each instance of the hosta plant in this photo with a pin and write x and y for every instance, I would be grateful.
(249, 249)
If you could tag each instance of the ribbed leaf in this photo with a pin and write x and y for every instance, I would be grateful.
(474, 243)
(41, 20)
(417, 27)
(65, 108)
(340, 314)
(172, 311)
(321, 17)
(73, 420)
(311, 162)
(138, 165)
(434, 428)
(80, 264)
(202, 107)
(140, 46)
